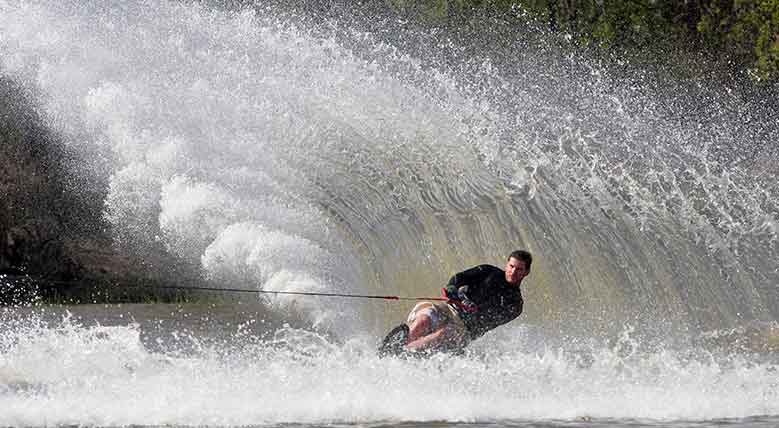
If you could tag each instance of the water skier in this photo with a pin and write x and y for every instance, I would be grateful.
(479, 300)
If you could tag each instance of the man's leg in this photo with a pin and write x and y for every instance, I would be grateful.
(421, 326)
(440, 327)
(425, 327)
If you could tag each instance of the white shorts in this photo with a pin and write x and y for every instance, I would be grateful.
(442, 315)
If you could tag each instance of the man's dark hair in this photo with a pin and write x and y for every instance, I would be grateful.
(524, 256)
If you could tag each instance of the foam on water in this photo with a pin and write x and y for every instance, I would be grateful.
(64, 372)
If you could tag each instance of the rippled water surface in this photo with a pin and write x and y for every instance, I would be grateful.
(237, 365)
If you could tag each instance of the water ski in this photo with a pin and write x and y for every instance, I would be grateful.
(393, 343)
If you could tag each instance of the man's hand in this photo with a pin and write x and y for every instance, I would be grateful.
(466, 303)
(468, 306)
(460, 298)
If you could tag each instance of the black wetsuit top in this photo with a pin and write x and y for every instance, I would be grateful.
(498, 301)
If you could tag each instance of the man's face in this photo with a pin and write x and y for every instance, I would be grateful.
(515, 271)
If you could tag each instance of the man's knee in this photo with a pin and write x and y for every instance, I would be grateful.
(421, 321)
(421, 325)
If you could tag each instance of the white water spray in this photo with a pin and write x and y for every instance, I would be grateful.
(270, 156)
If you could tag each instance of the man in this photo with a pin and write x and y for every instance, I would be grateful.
(479, 300)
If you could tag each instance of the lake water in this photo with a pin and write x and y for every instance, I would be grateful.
(232, 365)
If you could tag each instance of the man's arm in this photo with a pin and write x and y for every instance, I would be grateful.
(471, 277)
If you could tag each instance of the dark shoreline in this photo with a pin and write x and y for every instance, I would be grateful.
(18, 289)
(163, 326)
(55, 245)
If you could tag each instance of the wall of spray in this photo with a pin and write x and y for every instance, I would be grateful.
(279, 153)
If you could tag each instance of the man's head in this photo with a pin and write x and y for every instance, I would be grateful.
(518, 266)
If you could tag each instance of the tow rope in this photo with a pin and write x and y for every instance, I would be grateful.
(303, 293)
(238, 290)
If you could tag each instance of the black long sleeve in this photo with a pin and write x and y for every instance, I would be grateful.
(498, 301)
(472, 277)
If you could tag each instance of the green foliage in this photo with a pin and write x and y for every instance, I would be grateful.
(434, 11)
(745, 32)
